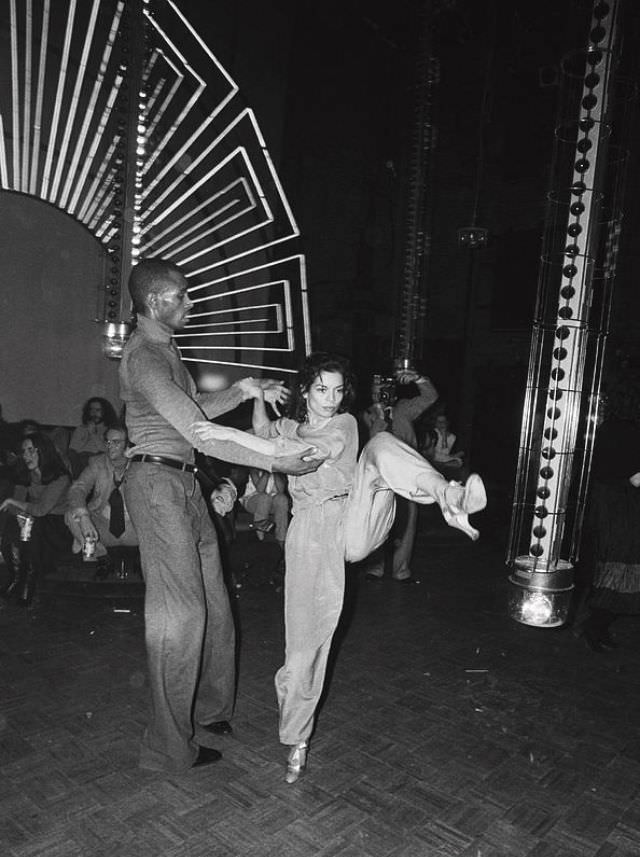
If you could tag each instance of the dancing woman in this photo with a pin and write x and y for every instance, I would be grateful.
(342, 511)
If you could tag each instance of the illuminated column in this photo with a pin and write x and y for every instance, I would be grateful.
(407, 346)
(565, 359)
(124, 235)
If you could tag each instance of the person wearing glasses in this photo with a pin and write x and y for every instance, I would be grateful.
(96, 509)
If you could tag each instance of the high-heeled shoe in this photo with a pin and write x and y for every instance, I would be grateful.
(296, 762)
(467, 499)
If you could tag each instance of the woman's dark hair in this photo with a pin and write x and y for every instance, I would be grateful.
(49, 462)
(314, 365)
(28, 427)
(109, 417)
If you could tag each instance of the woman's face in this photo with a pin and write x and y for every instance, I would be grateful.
(324, 396)
(30, 455)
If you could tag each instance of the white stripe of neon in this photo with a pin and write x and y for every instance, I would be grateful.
(103, 198)
(299, 258)
(200, 88)
(26, 119)
(226, 347)
(189, 216)
(106, 202)
(58, 100)
(203, 45)
(295, 258)
(289, 314)
(153, 97)
(228, 309)
(37, 119)
(219, 295)
(274, 174)
(238, 311)
(221, 70)
(229, 259)
(269, 218)
(295, 231)
(162, 109)
(4, 174)
(182, 236)
(75, 99)
(192, 212)
(217, 168)
(101, 230)
(277, 369)
(194, 163)
(92, 151)
(100, 186)
(15, 96)
(304, 303)
(237, 332)
(93, 100)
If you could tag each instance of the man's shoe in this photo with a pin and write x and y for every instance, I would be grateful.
(206, 756)
(219, 727)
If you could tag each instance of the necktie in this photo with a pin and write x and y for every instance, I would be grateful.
(116, 517)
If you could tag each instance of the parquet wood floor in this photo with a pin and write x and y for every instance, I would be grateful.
(447, 729)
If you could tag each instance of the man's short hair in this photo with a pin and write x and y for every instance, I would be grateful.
(120, 428)
(148, 277)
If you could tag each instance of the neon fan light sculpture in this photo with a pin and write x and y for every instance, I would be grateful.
(120, 115)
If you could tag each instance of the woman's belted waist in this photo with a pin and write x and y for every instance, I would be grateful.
(309, 502)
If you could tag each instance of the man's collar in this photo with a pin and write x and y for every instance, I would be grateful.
(152, 330)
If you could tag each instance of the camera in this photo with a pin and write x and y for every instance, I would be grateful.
(383, 390)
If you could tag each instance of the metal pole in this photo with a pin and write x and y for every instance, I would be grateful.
(555, 419)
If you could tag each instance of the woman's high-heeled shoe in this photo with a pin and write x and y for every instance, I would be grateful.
(296, 762)
(467, 499)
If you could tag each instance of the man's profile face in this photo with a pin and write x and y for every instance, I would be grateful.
(171, 304)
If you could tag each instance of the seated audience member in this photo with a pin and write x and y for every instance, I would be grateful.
(35, 533)
(28, 427)
(88, 439)
(58, 434)
(449, 463)
(265, 498)
(96, 510)
(428, 447)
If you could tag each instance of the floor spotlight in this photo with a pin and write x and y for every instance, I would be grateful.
(540, 597)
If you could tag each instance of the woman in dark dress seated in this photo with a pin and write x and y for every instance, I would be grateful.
(35, 533)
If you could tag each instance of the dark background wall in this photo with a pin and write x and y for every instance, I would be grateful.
(50, 347)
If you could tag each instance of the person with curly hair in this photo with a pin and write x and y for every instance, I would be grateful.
(40, 501)
(340, 512)
(89, 438)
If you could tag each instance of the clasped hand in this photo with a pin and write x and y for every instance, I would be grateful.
(276, 393)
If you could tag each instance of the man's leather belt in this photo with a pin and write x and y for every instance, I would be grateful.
(169, 462)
